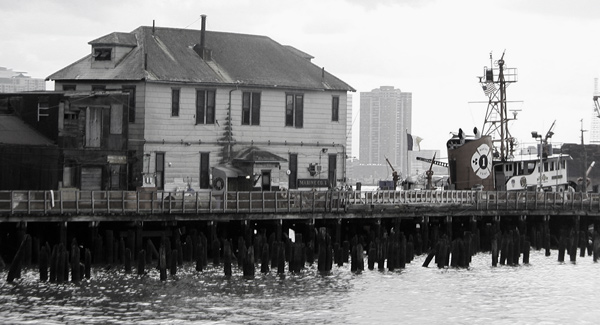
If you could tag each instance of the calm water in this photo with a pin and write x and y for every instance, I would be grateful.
(544, 292)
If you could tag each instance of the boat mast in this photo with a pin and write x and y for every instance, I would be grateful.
(494, 83)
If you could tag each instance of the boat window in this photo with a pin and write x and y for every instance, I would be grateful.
(530, 167)
(545, 166)
(564, 164)
(552, 165)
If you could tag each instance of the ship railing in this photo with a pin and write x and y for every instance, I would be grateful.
(529, 200)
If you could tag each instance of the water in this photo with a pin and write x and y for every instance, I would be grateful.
(543, 292)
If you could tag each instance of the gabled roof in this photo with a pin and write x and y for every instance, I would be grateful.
(256, 155)
(167, 55)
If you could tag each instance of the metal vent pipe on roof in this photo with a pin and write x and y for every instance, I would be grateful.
(202, 31)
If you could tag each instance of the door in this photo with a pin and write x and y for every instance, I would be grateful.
(160, 170)
(332, 170)
(293, 168)
(266, 180)
(93, 127)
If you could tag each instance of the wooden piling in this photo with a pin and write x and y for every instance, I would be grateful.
(127, 261)
(526, 249)
(15, 267)
(249, 268)
(162, 263)
(108, 235)
(141, 266)
(173, 263)
(264, 268)
(75, 260)
(216, 251)
(227, 258)
(43, 264)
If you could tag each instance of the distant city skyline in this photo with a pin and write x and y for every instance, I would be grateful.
(16, 81)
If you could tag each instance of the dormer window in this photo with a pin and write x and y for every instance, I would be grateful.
(102, 54)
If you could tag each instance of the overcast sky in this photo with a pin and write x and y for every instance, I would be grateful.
(433, 49)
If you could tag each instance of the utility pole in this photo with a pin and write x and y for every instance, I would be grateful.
(584, 162)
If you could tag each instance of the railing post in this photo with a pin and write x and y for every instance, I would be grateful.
(61, 202)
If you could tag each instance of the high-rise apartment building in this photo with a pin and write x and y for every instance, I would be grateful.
(385, 122)
(595, 119)
(13, 81)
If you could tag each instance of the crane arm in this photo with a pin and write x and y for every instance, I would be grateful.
(389, 163)
(434, 162)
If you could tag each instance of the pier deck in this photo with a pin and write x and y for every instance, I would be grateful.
(52, 206)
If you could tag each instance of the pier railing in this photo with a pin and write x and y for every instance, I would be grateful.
(214, 202)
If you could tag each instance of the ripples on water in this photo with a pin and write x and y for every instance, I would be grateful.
(544, 292)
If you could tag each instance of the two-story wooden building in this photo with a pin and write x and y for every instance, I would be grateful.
(216, 110)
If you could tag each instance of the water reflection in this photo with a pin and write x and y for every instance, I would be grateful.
(543, 292)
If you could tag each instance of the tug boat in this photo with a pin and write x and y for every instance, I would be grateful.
(487, 161)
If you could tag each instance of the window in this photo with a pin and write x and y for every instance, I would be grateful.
(175, 101)
(294, 110)
(335, 108)
(69, 87)
(102, 54)
(98, 87)
(250, 108)
(204, 170)
(205, 107)
(131, 91)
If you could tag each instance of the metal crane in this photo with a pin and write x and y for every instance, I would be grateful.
(395, 176)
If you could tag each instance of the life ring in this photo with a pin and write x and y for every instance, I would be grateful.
(481, 161)
(523, 182)
(219, 184)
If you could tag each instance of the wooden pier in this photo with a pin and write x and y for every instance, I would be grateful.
(50, 206)
(330, 227)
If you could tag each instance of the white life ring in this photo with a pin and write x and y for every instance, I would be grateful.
(481, 161)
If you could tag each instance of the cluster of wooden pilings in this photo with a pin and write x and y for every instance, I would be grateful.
(265, 247)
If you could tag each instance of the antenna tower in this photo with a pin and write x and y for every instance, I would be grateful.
(494, 82)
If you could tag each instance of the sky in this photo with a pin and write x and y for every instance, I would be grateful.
(433, 49)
